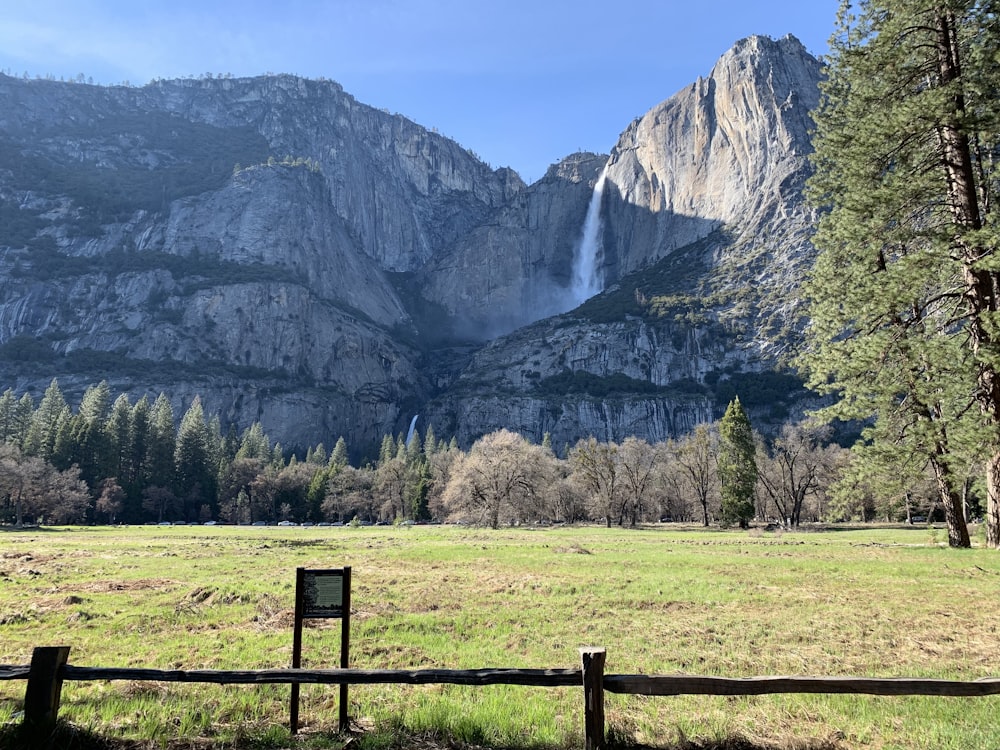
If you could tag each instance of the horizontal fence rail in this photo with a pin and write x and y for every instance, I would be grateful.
(694, 685)
(49, 668)
(528, 677)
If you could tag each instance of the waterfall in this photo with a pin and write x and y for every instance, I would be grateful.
(413, 426)
(587, 277)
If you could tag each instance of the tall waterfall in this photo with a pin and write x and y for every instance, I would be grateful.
(587, 277)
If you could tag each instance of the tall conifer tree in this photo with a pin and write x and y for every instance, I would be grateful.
(195, 469)
(44, 426)
(904, 295)
(737, 465)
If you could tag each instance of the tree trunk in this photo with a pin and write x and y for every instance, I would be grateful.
(981, 285)
(993, 501)
(951, 501)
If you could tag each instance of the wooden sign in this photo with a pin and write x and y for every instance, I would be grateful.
(322, 593)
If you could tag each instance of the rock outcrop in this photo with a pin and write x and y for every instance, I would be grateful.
(296, 257)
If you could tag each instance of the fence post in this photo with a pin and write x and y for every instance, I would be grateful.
(41, 697)
(593, 695)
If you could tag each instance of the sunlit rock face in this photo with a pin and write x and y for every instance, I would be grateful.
(296, 257)
(728, 150)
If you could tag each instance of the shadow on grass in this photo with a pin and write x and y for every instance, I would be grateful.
(29, 529)
(65, 737)
(732, 743)
(70, 737)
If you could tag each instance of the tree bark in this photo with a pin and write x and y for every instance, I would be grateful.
(951, 501)
(993, 500)
(980, 285)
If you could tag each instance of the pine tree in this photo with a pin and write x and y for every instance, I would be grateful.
(22, 419)
(193, 459)
(338, 458)
(41, 436)
(162, 444)
(91, 441)
(737, 465)
(430, 441)
(140, 431)
(387, 451)
(119, 431)
(904, 296)
(8, 407)
(317, 455)
(254, 443)
(414, 449)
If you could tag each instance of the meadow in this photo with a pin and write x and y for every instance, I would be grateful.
(863, 602)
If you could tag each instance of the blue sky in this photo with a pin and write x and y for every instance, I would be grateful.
(522, 83)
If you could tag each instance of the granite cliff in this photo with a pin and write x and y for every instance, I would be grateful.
(299, 258)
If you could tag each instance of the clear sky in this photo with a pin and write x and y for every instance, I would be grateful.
(522, 83)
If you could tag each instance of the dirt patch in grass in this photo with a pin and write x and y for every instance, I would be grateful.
(143, 584)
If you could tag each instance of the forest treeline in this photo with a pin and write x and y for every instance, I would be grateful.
(114, 461)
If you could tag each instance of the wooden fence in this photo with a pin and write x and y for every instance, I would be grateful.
(50, 668)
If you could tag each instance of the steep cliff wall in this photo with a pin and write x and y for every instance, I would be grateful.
(296, 257)
(515, 268)
(729, 150)
(705, 240)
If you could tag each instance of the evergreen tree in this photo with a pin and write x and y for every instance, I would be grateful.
(40, 440)
(387, 451)
(316, 492)
(22, 419)
(317, 455)
(162, 445)
(414, 449)
(119, 431)
(65, 452)
(430, 441)
(737, 465)
(93, 448)
(140, 431)
(418, 490)
(195, 469)
(338, 458)
(547, 441)
(904, 296)
(254, 443)
(8, 414)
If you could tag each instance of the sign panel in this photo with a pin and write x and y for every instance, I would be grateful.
(322, 593)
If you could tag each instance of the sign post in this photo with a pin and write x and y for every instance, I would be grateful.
(322, 594)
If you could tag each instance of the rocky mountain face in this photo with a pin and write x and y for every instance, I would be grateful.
(298, 258)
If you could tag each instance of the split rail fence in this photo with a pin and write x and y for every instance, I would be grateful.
(49, 669)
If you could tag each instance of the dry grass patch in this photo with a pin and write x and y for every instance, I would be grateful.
(868, 603)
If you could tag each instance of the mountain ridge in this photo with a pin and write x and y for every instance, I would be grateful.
(321, 281)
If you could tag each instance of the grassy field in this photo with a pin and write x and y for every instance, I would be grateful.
(871, 602)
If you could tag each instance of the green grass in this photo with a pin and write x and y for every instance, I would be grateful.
(865, 602)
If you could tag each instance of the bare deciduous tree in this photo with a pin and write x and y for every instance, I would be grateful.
(32, 487)
(797, 467)
(694, 457)
(596, 468)
(638, 461)
(349, 495)
(498, 480)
